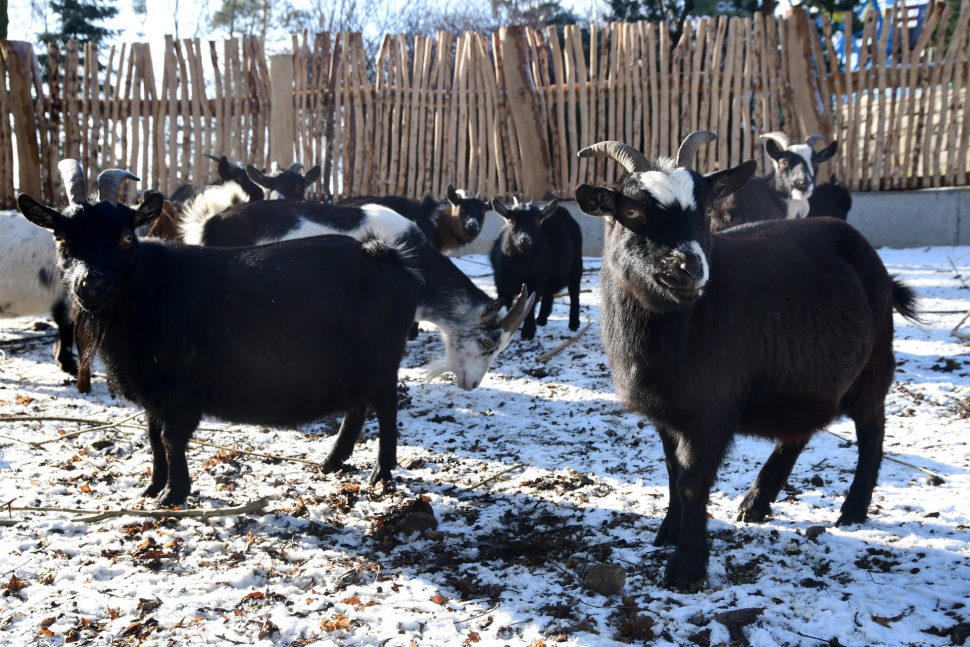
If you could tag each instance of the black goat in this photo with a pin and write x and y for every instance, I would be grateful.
(772, 330)
(279, 335)
(475, 327)
(447, 225)
(228, 172)
(833, 200)
(783, 193)
(542, 249)
(278, 184)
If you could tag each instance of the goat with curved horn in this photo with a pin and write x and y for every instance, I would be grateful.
(625, 155)
(780, 138)
(519, 311)
(73, 178)
(688, 149)
(811, 140)
(296, 167)
(109, 184)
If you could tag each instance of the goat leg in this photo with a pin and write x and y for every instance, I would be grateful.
(548, 297)
(870, 431)
(756, 505)
(386, 411)
(575, 280)
(159, 461)
(529, 325)
(669, 532)
(64, 344)
(350, 429)
(176, 433)
(687, 566)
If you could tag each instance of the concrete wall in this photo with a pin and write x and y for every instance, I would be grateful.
(897, 219)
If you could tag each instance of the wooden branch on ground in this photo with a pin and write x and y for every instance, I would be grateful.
(101, 515)
(566, 294)
(956, 329)
(895, 460)
(84, 431)
(561, 347)
(495, 476)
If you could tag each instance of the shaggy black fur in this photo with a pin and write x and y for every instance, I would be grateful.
(278, 335)
(542, 249)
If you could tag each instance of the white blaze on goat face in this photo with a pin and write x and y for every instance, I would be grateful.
(670, 189)
(804, 150)
(693, 248)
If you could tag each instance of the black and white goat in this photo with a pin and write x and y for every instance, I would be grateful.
(278, 184)
(772, 329)
(475, 327)
(542, 249)
(28, 277)
(784, 192)
(446, 224)
(278, 335)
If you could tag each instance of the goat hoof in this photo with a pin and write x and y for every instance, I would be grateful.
(68, 366)
(331, 465)
(753, 512)
(574, 325)
(686, 571)
(669, 533)
(169, 497)
(152, 490)
(381, 474)
(542, 321)
(528, 335)
(848, 518)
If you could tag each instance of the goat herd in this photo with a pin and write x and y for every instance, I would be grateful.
(244, 302)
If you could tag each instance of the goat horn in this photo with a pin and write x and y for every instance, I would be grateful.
(296, 167)
(811, 140)
(780, 138)
(109, 184)
(211, 157)
(515, 317)
(688, 149)
(73, 178)
(625, 155)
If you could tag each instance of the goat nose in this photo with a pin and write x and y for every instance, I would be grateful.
(802, 185)
(692, 269)
(472, 226)
(92, 284)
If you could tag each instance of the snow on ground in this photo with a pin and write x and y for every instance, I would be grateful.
(534, 477)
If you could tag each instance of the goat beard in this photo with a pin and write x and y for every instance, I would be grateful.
(437, 368)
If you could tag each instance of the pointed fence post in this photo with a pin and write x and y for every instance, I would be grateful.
(18, 56)
(282, 121)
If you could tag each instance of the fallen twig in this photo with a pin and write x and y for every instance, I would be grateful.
(956, 329)
(495, 476)
(246, 451)
(83, 431)
(100, 515)
(486, 612)
(890, 458)
(561, 347)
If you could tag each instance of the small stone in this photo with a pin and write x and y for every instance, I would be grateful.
(812, 532)
(934, 480)
(697, 619)
(412, 463)
(817, 481)
(42, 325)
(416, 522)
(606, 579)
(792, 548)
(434, 535)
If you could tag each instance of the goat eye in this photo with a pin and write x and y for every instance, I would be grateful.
(59, 240)
(632, 214)
(127, 240)
(487, 344)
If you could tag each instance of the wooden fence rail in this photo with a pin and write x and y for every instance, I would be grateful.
(498, 114)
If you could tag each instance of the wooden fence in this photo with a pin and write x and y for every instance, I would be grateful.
(499, 114)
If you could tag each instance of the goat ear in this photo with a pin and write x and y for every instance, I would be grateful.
(774, 151)
(548, 210)
(453, 196)
(312, 176)
(257, 176)
(35, 212)
(595, 200)
(824, 155)
(225, 169)
(491, 309)
(150, 209)
(500, 208)
(724, 183)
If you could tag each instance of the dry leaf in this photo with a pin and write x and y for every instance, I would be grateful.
(440, 599)
(339, 622)
(354, 600)
(86, 488)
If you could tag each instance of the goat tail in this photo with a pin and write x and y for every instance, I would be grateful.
(905, 300)
(401, 251)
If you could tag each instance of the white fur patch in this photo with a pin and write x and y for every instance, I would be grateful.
(25, 250)
(804, 150)
(693, 247)
(669, 189)
(211, 202)
(386, 223)
(798, 208)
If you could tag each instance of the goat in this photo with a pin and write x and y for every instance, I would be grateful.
(783, 193)
(278, 335)
(832, 199)
(542, 249)
(290, 184)
(447, 225)
(228, 172)
(772, 329)
(475, 327)
(28, 275)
